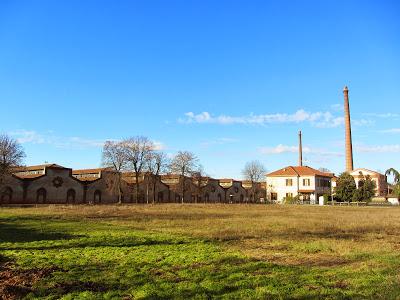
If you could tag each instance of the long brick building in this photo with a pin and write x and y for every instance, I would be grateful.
(52, 184)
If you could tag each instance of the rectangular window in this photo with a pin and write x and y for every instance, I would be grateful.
(289, 182)
(289, 195)
(306, 182)
(274, 196)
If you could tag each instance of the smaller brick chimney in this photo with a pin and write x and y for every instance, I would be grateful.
(300, 150)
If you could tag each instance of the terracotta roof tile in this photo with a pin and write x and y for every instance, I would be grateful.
(299, 171)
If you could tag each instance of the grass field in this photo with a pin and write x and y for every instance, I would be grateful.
(196, 251)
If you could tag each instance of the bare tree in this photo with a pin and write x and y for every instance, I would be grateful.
(156, 163)
(324, 170)
(11, 154)
(138, 151)
(198, 179)
(114, 156)
(184, 163)
(254, 171)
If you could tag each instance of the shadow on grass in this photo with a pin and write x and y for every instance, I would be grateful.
(50, 239)
(111, 243)
(13, 233)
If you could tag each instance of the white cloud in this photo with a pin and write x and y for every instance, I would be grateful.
(382, 115)
(280, 149)
(219, 141)
(392, 130)
(378, 149)
(318, 119)
(32, 137)
(337, 107)
(28, 136)
(158, 146)
(362, 122)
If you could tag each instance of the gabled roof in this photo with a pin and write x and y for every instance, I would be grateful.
(298, 171)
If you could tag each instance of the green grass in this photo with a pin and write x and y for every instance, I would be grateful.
(202, 252)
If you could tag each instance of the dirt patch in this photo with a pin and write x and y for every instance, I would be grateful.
(15, 283)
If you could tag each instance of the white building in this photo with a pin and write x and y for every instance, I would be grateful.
(302, 181)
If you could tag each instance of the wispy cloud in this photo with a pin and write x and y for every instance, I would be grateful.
(337, 107)
(24, 136)
(28, 136)
(280, 149)
(158, 146)
(318, 119)
(219, 141)
(382, 115)
(395, 148)
(391, 130)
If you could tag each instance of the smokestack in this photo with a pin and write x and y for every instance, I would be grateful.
(349, 144)
(300, 150)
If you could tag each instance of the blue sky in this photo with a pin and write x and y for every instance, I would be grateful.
(231, 81)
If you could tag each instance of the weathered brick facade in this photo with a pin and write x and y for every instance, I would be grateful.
(54, 184)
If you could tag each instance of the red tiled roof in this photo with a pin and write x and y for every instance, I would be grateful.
(299, 171)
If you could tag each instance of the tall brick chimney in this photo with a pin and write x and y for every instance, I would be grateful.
(347, 124)
(300, 150)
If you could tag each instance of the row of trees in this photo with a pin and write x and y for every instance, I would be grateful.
(140, 155)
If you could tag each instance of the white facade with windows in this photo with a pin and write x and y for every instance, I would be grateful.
(305, 182)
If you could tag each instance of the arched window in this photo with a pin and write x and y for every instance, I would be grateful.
(97, 196)
(241, 197)
(207, 197)
(41, 195)
(219, 198)
(6, 195)
(177, 198)
(71, 196)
